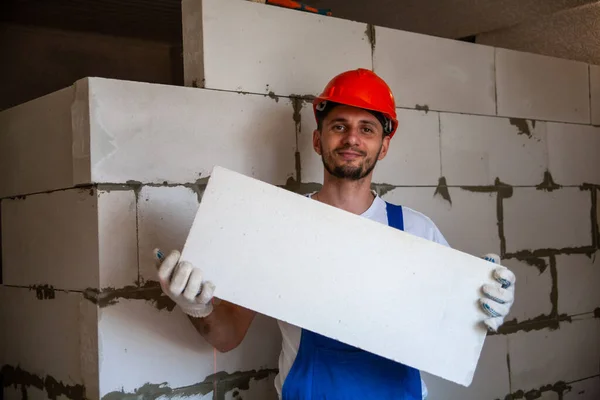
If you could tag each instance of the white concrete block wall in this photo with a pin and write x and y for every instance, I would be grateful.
(35, 153)
(541, 87)
(435, 73)
(573, 153)
(235, 59)
(491, 380)
(537, 219)
(46, 334)
(478, 150)
(587, 389)
(75, 239)
(545, 356)
(534, 289)
(578, 274)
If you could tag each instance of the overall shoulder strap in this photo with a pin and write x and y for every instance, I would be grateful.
(395, 216)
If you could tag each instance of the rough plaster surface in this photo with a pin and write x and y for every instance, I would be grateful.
(441, 74)
(536, 219)
(477, 232)
(573, 153)
(165, 215)
(476, 150)
(413, 158)
(287, 39)
(543, 356)
(188, 130)
(45, 336)
(490, 380)
(32, 160)
(578, 277)
(532, 291)
(263, 389)
(572, 34)
(87, 239)
(542, 87)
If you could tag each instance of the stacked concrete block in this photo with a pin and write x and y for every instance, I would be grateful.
(497, 147)
(131, 160)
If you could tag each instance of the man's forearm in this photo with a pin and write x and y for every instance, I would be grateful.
(225, 327)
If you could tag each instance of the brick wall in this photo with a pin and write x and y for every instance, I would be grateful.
(498, 147)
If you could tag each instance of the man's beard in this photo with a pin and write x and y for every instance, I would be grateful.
(349, 172)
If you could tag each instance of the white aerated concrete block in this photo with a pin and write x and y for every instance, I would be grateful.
(413, 157)
(548, 356)
(241, 244)
(468, 224)
(573, 153)
(532, 289)
(73, 239)
(157, 133)
(587, 389)
(541, 87)
(140, 344)
(414, 154)
(476, 150)
(35, 145)
(52, 337)
(122, 131)
(578, 278)
(441, 74)
(595, 93)
(288, 59)
(538, 219)
(490, 380)
(165, 215)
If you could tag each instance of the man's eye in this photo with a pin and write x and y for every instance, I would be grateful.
(367, 130)
(339, 127)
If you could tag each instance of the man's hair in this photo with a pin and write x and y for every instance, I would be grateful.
(324, 110)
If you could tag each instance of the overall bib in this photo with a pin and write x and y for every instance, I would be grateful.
(327, 369)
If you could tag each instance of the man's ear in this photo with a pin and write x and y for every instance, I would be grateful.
(385, 146)
(317, 141)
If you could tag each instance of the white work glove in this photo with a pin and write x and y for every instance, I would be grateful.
(182, 282)
(499, 297)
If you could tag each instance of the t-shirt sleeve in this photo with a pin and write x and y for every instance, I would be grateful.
(421, 225)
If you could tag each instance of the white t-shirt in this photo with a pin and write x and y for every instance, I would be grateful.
(414, 223)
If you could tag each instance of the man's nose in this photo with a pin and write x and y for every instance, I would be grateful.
(352, 136)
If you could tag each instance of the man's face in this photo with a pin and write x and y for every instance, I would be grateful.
(350, 142)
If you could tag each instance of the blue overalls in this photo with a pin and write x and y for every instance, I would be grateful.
(327, 369)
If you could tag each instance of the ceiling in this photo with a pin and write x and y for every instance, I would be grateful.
(160, 20)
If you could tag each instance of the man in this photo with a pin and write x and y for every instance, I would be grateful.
(356, 119)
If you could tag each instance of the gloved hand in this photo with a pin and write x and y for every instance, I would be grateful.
(182, 282)
(498, 298)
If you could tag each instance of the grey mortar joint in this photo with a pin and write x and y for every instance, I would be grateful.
(522, 126)
(504, 191)
(559, 387)
(371, 37)
(442, 190)
(423, 107)
(382, 188)
(150, 292)
(548, 183)
(16, 376)
(301, 188)
(220, 383)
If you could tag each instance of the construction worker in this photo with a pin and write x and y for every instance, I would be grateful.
(356, 119)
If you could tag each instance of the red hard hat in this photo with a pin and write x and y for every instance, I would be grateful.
(361, 88)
